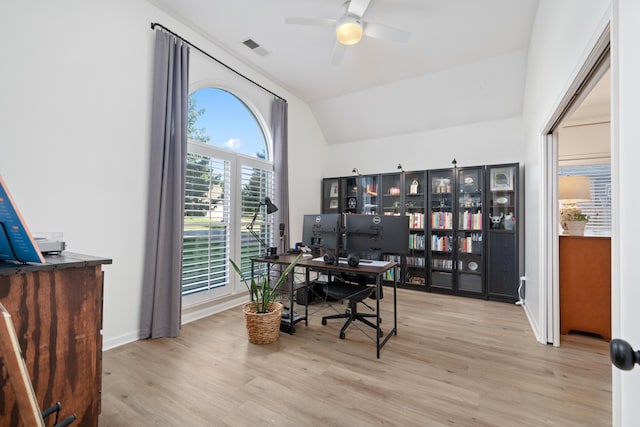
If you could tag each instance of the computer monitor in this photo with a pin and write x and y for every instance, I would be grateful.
(388, 234)
(322, 231)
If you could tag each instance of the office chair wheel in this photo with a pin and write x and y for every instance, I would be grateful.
(342, 335)
(324, 322)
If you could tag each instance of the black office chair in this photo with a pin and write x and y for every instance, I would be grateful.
(355, 294)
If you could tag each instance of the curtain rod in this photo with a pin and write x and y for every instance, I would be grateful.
(155, 24)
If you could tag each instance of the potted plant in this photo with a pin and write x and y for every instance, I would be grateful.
(263, 313)
(573, 221)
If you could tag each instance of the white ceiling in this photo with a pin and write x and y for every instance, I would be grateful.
(376, 76)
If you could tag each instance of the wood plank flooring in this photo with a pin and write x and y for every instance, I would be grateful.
(455, 361)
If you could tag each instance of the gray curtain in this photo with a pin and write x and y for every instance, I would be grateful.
(161, 292)
(279, 127)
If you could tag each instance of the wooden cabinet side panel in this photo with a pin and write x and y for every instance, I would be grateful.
(57, 316)
(585, 285)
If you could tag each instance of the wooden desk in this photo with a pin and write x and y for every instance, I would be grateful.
(370, 270)
(585, 285)
(57, 314)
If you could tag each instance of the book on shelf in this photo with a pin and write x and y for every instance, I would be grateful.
(441, 243)
(470, 221)
(442, 220)
(416, 220)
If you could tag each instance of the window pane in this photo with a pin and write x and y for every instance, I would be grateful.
(257, 184)
(218, 118)
(206, 224)
(599, 207)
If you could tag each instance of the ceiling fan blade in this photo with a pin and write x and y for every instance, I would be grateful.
(338, 52)
(358, 7)
(311, 21)
(379, 31)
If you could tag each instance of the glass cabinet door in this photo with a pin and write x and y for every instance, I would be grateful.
(349, 194)
(331, 195)
(414, 207)
(469, 232)
(391, 194)
(502, 198)
(441, 209)
(369, 192)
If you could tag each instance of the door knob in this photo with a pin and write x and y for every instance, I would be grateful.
(623, 356)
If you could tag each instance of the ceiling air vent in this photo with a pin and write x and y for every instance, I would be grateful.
(251, 44)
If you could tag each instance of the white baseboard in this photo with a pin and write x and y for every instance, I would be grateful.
(189, 314)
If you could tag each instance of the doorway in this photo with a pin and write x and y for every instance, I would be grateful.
(585, 107)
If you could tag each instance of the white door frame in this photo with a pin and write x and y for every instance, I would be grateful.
(594, 65)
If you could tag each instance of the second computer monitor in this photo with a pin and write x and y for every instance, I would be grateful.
(322, 231)
(382, 233)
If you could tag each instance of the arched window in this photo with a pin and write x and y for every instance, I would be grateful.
(228, 174)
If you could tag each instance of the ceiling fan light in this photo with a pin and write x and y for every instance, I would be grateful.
(349, 32)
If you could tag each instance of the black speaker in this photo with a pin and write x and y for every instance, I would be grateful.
(329, 258)
(353, 260)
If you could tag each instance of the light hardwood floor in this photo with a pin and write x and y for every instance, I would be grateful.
(455, 361)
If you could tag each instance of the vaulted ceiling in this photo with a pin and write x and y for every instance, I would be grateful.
(464, 62)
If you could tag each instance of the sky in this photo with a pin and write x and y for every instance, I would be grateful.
(228, 122)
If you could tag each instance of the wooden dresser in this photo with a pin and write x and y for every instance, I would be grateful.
(56, 309)
(585, 285)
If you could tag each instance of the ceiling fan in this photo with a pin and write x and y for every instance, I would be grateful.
(350, 28)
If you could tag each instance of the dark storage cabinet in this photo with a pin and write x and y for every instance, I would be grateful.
(463, 225)
(456, 231)
(502, 234)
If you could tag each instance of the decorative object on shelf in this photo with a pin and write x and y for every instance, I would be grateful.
(263, 313)
(334, 190)
(473, 266)
(501, 179)
(414, 187)
(333, 204)
(502, 200)
(272, 252)
(571, 190)
(443, 185)
(352, 202)
(394, 191)
(508, 221)
(496, 220)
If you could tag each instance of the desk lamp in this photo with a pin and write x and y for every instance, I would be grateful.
(573, 189)
(272, 252)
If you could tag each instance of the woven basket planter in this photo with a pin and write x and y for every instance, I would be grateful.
(263, 328)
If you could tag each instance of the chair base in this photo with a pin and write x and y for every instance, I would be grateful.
(352, 314)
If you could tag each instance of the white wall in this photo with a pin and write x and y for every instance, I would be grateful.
(476, 144)
(588, 141)
(563, 35)
(75, 114)
(486, 90)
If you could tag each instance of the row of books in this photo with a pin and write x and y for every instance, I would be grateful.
(466, 244)
(442, 263)
(415, 261)
(442, 244)
(416, 241)
(416, 220)
(442, 220)
(470, 221)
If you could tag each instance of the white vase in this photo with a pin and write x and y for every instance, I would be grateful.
(574, 228)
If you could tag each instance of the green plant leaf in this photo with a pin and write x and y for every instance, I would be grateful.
(263, 294)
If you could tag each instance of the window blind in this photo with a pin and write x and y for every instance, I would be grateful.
(206, 237)
(257, 183)
(599, 207)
